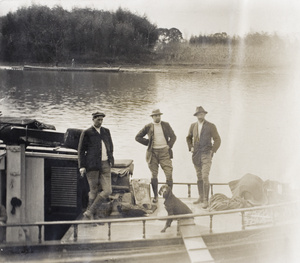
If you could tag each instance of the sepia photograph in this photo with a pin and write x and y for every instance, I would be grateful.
(149, 131)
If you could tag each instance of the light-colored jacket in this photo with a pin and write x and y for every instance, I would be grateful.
(149, 130)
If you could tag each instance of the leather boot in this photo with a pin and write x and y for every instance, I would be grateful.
(170, 183)
(89, 213)
(206, 193)
(154, 183)
(90, 203)
(200, 192)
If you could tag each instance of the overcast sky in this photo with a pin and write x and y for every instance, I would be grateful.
(194, 17)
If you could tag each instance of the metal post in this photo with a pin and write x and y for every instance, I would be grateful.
(189, 190)
(40, 234)
(243, 220)
(273, 216)
(178, 228)
(109, 231)
(16, 188)
(212, 189)
(210, 223)
(75, 232)
(144, 229)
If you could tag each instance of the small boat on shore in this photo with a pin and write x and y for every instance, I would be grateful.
(45, 197)
(81, 69)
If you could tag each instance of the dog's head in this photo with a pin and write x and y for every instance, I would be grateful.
(165, 191)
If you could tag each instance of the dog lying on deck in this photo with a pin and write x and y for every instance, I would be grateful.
(173, 205)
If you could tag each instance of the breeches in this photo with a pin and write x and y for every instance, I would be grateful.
(100, 182)
(203, 167)
(161, 157)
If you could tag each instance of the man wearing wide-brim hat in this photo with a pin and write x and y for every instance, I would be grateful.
(160, 140)
(203, 141)
(95, 158)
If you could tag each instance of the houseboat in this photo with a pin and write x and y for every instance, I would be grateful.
(44, 196)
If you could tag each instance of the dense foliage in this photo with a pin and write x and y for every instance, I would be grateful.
(41, 34)
(251, 39)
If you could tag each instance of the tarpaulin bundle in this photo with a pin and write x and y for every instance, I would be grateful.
(250, 187)
(249, 190)
(23, 122)
(219, 202)
(17, 130)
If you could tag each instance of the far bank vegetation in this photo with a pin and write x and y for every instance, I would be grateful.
(40, 35)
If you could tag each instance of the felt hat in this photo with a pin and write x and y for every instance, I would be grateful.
(97, 114)
(156, 112)
(200, 110)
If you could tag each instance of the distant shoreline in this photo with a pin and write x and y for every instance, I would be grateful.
(143, 68)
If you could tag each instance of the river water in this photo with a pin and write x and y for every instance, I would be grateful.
(256, 113)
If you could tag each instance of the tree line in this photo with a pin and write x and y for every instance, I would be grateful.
(251, 39)
(41, 34)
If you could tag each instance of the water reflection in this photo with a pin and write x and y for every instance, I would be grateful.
(44, 94)
(255, 113)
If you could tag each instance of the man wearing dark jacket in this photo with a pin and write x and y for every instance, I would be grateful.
(199, 140)
(160, 141)
(95, 158)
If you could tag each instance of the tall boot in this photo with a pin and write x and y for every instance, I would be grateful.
(89, 214)
(200, 192)
(90, 203)
(170, 183)
(206, 194)
(154, 183)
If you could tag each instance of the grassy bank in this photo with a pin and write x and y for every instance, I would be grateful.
(190, 57)
(222, 56)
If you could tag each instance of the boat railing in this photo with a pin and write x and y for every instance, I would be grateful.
(189, 186)
(143, 220)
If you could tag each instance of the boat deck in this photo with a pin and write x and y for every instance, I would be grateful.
(134, 230)
(198, 239)
(194, 240)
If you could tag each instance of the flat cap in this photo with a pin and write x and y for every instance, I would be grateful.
(97, 114)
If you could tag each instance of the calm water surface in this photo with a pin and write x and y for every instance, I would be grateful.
(256, 113)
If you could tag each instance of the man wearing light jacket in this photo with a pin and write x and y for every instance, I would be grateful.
(160, 141)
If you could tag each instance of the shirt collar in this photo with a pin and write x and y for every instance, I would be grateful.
(97, 129)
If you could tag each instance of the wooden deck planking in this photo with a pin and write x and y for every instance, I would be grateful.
(194, 244)
(190, 230)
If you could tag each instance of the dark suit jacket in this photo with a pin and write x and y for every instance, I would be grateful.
(208, 133)
(89, 154)
(149, 130)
